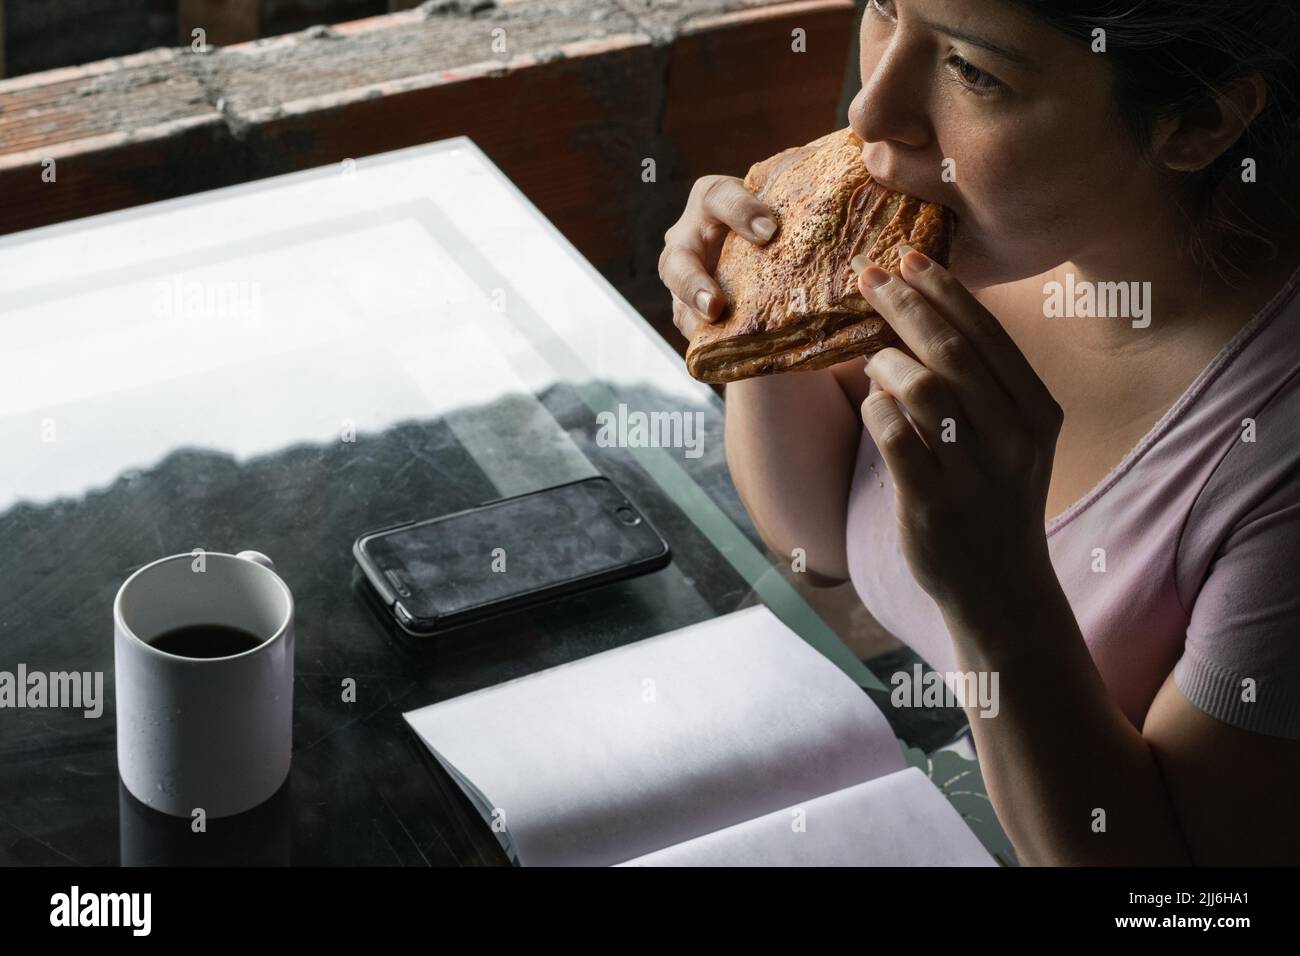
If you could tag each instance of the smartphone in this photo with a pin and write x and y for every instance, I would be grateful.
(439, 573)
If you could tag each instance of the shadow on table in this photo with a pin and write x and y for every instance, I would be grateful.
(258, 837)
(362, 798)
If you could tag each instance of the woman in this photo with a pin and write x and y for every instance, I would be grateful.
(1103, 510)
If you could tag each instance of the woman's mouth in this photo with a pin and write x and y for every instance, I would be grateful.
(924, 194)
(898, 186)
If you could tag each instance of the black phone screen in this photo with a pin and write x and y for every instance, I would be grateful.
(516, 547)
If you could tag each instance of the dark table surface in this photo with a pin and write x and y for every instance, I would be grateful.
(281, 367)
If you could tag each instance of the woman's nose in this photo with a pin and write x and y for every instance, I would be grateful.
(892, 103)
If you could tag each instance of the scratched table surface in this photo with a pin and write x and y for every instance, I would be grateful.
(281, 366)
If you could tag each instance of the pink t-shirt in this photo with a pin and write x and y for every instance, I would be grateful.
(1198, 532)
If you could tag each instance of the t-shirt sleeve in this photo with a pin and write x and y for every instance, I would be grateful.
(1241, 659)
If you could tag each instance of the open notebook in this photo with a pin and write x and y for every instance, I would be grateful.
(731, 742)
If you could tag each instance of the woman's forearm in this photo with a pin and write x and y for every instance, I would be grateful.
(791, 442)
(1072, 780)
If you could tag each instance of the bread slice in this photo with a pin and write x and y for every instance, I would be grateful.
(794, 303)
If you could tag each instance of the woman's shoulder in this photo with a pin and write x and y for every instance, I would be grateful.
(1249, 423)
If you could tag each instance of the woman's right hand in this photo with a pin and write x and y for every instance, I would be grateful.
(694, 242)
(790, 440)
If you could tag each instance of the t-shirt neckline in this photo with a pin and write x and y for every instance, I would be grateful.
(1193, 391)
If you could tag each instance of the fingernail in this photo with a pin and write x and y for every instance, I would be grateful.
(702, 300)
(858, 263)
(875, 277)
(763, 228)
(916, 261)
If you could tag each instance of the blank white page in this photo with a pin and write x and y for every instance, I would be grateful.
(646, 745)
(898, 820)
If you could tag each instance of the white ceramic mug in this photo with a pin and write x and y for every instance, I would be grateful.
(210, 733)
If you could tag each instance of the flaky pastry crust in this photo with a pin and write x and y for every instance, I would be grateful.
(794, 303)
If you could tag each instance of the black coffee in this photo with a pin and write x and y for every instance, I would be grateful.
(206, 640)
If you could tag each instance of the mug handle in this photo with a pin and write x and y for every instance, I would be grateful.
(257, 557)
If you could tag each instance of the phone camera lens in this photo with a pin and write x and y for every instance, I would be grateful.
(627, 516)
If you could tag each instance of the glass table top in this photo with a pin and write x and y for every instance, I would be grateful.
(282, 366)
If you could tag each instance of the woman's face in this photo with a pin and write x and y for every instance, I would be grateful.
(1009, 123)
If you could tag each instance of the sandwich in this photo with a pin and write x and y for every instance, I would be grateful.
(794, 303)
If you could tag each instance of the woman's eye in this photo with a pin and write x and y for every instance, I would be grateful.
(972, 76)
(884, 8)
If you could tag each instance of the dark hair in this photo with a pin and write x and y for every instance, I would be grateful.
(1170, 55)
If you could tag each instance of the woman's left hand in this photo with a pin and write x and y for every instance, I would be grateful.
(971, 477)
